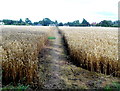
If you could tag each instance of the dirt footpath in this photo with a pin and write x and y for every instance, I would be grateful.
(57, 71)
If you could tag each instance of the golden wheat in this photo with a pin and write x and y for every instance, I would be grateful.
(20, 47)
(96, 49)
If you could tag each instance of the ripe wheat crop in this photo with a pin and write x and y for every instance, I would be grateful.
(96, 49)
(20, 47)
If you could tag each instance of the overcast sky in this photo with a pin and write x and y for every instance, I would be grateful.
(61, 10)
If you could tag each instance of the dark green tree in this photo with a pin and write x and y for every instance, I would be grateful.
(35, 23)
(60, 24)
(56, 22)
(46, 22)
(76, 23)
(21, 22)
(106, 23)
(116, 23)
(8, 22)
(85, 23)
(28, 21)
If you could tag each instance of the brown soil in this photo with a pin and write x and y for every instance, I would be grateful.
(57, 71)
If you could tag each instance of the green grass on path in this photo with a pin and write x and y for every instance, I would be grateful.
(51, 37)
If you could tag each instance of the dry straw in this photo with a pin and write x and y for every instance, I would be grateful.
(96, 49)
(20, 48)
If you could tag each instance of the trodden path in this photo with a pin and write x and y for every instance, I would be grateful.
(58, 72)
(52, 58)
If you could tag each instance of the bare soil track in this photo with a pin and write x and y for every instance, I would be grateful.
(57, 71)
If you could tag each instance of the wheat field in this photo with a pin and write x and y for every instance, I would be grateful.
(20, 47)
(96, 49)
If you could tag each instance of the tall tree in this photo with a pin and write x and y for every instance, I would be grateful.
(56, 22)
(106, 23)
(116, 23)
(8, 22)
(46, 22)
(76, 23)
(21, 22)
(60, 24)
(28, 21)
(85, 23)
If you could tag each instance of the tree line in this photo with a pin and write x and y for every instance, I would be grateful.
(48, 22)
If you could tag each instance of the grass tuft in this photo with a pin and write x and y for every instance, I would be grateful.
(51, 38)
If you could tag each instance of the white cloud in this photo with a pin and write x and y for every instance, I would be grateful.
(62, 10)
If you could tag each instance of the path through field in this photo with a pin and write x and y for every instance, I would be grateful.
(58, 72)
